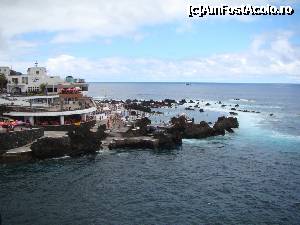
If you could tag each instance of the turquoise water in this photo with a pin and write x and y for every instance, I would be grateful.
(249, 177)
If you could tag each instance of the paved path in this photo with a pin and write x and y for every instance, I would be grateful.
(25, 148)
(55, 133)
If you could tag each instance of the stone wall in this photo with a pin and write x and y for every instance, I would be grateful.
(17, 139)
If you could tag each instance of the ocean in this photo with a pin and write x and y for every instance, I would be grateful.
(249, 177)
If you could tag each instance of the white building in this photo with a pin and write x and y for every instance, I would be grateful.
(31, 82)
(53, 111)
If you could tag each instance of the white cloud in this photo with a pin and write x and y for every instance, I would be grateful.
(77, 20)
(270, 56)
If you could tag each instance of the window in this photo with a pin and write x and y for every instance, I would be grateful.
(25, 80)
(84, 88)
(15, 80)
(37, 72)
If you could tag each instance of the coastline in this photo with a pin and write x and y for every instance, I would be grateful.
(120, 139)
(249, 159)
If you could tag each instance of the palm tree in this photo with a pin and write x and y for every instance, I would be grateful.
(43, 87)
(3, 82)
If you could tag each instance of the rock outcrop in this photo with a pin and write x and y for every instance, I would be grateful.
(85, 141)
(198, 131)
(168, 140)
(190, 130)
(133, 143)
(79, 141)
(49, 147)
(223, 123)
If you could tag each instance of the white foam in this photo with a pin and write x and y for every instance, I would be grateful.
(62, 157)
(276, 134)
(242, 100)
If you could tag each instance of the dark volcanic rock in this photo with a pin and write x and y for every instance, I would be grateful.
(131, 143)
(49, 147)
(233, 113)
(168, 140)
(79, 141)
(85, 141)
(207, 104)
(161, 140)
(201, 110)
(227, 124)
(142, 125)
(202, 130)
(169, 101)
(189, 108)
(139, 107)
(182, 101)
(178, 124)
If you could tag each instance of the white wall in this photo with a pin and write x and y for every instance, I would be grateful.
(37, 71)
(33, 80)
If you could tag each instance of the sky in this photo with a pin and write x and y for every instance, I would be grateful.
(150, 41)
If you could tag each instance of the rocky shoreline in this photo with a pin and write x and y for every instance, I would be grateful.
(141, 134)
(83, 140)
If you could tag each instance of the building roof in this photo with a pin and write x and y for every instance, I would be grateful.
(62, 113)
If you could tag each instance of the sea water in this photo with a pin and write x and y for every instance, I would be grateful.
(249, 177)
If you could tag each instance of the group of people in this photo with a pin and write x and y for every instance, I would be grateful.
(114, 121)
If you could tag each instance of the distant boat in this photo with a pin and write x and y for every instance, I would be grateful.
(188, 84)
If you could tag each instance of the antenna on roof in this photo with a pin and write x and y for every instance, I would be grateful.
(36, 64)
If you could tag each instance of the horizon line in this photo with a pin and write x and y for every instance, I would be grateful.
(196, 82)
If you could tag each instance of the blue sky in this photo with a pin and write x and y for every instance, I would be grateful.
(150, 41)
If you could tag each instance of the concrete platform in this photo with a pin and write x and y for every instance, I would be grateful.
(55, 133)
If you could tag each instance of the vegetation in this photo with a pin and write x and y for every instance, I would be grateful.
(3, 109)
(3, 82)
(43, 87)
